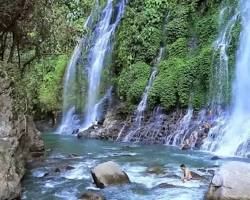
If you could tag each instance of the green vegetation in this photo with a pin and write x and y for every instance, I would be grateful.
(136, 75)
(187, 30)
(49, 92)
(37, 51)
(36, 40)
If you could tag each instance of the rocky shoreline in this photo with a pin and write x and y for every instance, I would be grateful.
(158, 127)
(20, 143)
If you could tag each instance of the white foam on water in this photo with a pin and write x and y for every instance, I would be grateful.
(67, 195)
(49, 185)
(111, 148)
(78, 173)
(92, 188)
(137, 175)
(81, 170)
(177, 194)
(39, 173)
(53, 184)
(57, 156)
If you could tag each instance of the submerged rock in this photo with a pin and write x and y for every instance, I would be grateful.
(230, 182)
(57, 170)
(68, 168)
(196, 176)
(92, 196)
(165, 185)
(109, 173)
(209, 171)
(156, 170)
(215, 158)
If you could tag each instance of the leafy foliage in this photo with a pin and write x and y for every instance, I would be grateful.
(187, 30)
(133, 80)
(41, 86)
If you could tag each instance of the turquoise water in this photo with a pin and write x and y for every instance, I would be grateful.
(134, 159)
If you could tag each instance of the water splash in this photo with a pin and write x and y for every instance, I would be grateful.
(178, 136)
(69, 108)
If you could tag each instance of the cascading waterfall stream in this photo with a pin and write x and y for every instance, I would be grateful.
(219, 85)
(98, 53)
(139, 114)
(69, 120)
(97, 45)
(72, 97)
(220, 80)
(143, 103)
(236, 135)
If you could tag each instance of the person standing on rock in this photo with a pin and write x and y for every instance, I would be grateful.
(187, 176)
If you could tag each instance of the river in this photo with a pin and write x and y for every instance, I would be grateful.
(42, 182)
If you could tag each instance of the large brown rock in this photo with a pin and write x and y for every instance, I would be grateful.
(109, 173)
(230, 182)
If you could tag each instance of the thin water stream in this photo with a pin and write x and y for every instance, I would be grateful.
(142, 106)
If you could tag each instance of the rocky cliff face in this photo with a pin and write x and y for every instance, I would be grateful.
(19, 142)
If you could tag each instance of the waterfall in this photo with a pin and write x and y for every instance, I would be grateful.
(98, 53)
(96, 48)
(236, 135)
(153, 128)
(143, 103)
(142, 106)
(69, 120)
(219, 88)
(219, 85)
(233, 132)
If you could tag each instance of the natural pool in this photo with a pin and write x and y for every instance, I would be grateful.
(83, 155)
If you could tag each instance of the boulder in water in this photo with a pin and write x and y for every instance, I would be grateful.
(57, 170)
(92, 196)
(109, 173)
(156, 170)
(165, 186)
(230, 182)
(215, 158)
(196, 176)
(68, 168)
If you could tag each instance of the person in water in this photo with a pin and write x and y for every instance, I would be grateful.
(187, 176)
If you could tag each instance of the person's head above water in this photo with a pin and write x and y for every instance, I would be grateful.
(182, 166)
